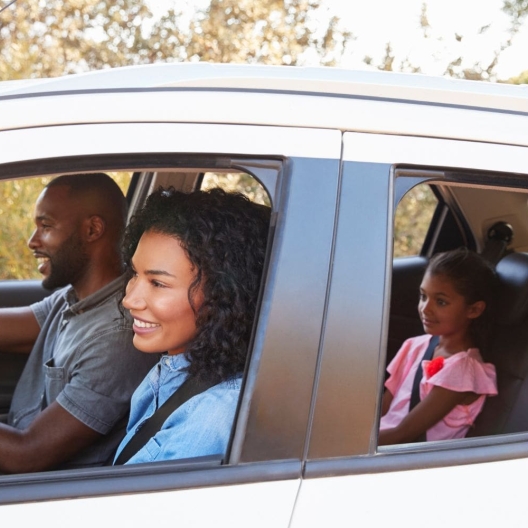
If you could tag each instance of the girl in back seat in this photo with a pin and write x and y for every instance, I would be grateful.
(438, 382)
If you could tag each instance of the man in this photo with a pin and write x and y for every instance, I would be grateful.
(70, 405)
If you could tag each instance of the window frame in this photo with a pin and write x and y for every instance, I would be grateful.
(301, 184)
(351, 366)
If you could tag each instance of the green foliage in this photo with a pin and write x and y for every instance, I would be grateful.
(17, 199)
(239, 182)
(517, 10)
(267, 32)
(520, 79)
(412, 219)
(48, 38)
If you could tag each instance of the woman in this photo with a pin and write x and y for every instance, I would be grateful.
(196, 262)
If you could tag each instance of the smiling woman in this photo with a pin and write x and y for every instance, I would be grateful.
(157, 295)
(195, 262)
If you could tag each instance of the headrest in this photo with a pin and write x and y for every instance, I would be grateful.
(512, 301)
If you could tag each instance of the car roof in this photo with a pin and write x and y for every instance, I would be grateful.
(283, 79)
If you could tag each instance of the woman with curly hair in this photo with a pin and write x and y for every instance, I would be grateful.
(196, 262)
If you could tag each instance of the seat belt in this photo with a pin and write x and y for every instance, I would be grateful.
(189, 388)
(415, 394)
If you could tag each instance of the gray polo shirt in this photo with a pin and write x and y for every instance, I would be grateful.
(84, 359)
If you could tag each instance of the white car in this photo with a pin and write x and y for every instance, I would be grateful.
(335, 152)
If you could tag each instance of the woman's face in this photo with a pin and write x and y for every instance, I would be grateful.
(157, 295)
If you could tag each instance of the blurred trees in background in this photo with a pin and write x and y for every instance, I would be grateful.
(237, 182)
(56, 37)
(412, 219)
(17, 198)
(49, 38)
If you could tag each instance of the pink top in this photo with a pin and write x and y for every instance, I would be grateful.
(462, 372)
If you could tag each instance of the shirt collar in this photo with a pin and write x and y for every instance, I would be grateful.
(175, 362)
(96, 298)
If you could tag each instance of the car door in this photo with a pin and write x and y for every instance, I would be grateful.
(259, 480)
(347, 477)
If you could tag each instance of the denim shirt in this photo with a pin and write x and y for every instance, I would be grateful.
(199, 427)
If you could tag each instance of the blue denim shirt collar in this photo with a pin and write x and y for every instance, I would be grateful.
(199, 427)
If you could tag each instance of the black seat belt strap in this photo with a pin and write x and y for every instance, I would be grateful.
(189, 388)
(415, 394)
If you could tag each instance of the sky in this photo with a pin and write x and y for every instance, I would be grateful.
(378, 22)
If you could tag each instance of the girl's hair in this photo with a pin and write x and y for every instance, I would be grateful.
(224, 236)
(473, 278)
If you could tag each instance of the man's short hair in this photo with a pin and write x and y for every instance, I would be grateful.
(108, 194)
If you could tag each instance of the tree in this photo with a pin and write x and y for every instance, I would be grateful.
(520, 79)
(48, 38)
(517, 10)
(269, 32)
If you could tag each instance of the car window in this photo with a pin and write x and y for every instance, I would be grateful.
(412, 220)
(480, 209)
(237, 181)
(16, 225)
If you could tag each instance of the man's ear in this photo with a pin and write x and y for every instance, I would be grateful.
(476, 309)
(94, 227)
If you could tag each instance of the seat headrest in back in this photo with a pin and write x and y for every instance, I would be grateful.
(512, 298)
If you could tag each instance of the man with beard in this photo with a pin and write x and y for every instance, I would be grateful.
(70, 405)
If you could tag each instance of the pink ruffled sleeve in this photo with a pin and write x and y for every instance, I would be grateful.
(465, 372)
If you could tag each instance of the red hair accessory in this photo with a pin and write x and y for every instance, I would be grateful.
(434, 366)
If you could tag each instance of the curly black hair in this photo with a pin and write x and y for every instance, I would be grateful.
(224, 236)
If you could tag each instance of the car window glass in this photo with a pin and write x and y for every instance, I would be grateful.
(17, 200)
(17, 224)
(478, 208)
(412, 220)
(239, 182)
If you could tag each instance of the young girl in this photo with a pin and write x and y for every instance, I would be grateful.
(455, 299)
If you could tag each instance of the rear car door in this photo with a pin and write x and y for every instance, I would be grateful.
(348, 478)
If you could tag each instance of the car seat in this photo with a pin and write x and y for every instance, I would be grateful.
(508, 411)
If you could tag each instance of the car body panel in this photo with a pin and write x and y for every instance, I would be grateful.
(266, 108)
(212, 506)
(56, 141)
(414, 497)
(334, 81)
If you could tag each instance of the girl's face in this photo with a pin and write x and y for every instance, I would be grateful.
(157, 295)
(443, 311)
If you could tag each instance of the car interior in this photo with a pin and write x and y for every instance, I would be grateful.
(20, 283)
(487, 213)
(451, 209)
